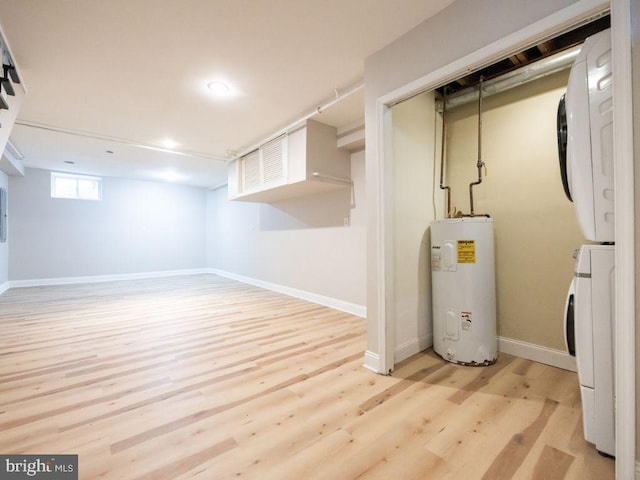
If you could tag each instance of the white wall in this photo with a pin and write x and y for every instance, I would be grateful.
(434, 44)
(4, 247)
(535, 225)
(137, 227)
(299, 243)
(414, 149)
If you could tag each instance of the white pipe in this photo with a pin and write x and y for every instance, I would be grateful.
(122, 141)
(338, 97)
(547, 66)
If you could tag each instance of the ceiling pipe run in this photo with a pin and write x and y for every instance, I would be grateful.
(121, 141)
(292, 126)
(534, 71)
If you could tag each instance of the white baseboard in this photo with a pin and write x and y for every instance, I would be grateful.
(530, 351)
(411, 347)
(352, 308)
(372, 362)
(4, 287)
(103, 278)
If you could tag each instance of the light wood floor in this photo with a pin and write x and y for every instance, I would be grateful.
(203, 377)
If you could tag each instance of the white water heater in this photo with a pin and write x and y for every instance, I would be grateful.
(463, 290)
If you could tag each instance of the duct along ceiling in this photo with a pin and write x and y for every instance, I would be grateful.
(535, 54)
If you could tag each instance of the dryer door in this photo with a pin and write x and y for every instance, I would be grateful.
(561, 123)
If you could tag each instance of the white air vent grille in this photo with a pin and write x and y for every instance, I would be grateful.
(265, 167)
(250, 165)
(273, 160)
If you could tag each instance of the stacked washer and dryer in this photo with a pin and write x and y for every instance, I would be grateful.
(585, 144)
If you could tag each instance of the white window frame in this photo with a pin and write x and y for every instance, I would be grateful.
(77, 178)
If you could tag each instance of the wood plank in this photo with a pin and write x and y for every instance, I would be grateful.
(515, 451)
(553, 464)
(204, 377)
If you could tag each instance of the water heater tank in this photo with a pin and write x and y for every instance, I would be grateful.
(464, 292)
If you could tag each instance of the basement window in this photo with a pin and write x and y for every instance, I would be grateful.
(78, 187)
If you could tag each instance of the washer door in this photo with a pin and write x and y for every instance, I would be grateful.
(569, 322)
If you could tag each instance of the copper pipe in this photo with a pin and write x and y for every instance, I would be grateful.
(480, 163)
(442, 153)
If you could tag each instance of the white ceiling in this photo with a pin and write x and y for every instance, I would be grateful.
(134, 72)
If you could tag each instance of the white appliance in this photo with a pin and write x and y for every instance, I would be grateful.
(590, 307)
(585, 145)
(585, 138)
(463, 288)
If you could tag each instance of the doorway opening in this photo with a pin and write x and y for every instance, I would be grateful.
(535, 225)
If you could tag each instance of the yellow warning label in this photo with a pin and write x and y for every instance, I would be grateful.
(466, 251)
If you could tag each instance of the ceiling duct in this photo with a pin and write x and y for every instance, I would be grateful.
(534, 71)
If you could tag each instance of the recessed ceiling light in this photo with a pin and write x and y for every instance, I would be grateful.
(219, 88)
(169, 143)
(170, 176)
